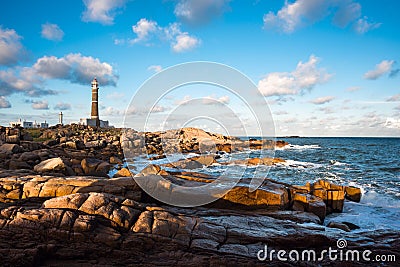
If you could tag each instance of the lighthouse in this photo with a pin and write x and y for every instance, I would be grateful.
(60, 118)
(95, 102)
(94, 119)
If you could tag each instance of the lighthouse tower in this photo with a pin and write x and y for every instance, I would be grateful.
(94, 119)
(95, 101)
(60, 118)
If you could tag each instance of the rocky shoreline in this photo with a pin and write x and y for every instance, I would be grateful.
(60, 207)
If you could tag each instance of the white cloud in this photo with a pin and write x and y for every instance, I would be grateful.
(4, 103)
(322, 100)
(144, 29)
(380, 69)
(40, 104)
(327, 110)
(74, 68)
(158, 109)
(52, 32)
(24, 81)
(213, 100)
(102, 11)
(184, 42)
(392, 123)
(198, 12)
(11, 49)
(362, 25)
(294, 15)
(155, 68)
(62, 106)
(395, 98)
(147, 30)
(304, 77)
(347, 12)
(110, 111)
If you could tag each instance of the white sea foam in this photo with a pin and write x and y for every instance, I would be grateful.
(337, 163)
(298, 147)
(298, 164)
(375, 211)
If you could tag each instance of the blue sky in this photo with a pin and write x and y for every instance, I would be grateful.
(326, 68)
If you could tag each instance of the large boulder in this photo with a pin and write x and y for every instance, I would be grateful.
(29, 156)
(51, 142)
(89, 165)
(50, 165)
(149, 170)
(192, 163)
(33, 187)
(10, 149)
(115, 160)
(309, 203)
(333, 198)
(98, 144)
(95, 167)
(18, 165)
(13, 139)
(339, 225)
(268, 196)
(124, 172)
(353, 193)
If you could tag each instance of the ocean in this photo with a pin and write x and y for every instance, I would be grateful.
(373, 164)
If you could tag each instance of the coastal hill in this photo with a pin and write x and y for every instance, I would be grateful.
(68, 198)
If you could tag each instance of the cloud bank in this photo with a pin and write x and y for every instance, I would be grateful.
(4, 103)
(74, 68)
(41, 105)
(102, 11)
(199, 12)
(305, 77)
(148, 30)
(11, 49)
(62, 106)
(322, 100)
(300, 13)
(381, 68)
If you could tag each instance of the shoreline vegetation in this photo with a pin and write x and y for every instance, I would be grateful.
(59, 206)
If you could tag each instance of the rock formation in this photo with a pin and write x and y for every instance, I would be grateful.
(58, 206)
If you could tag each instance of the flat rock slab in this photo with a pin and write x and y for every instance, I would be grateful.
(34, 186)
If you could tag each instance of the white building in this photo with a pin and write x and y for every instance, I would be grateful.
(25, 124)
(28, 124)
(44, 125)
(92, 122)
